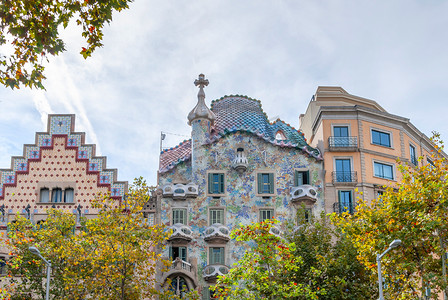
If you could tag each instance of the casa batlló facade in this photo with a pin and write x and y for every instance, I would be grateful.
(236, 169)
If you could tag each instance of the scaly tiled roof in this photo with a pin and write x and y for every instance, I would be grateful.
(169, 158)
(244, 114)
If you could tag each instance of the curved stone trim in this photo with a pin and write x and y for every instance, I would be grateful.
(217, 232)
(210, 272)
(304, 193)
(181, 232)
(180, 191)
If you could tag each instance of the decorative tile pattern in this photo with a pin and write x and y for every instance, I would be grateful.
(171, 157)
(20, 165)
(32, 152)
(60, 127)
(74, 140)
(44, 140)
(60, 124)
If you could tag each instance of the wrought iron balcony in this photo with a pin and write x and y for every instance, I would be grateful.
(347, 207)
(212, 271)
(304, 193)
(180, 191)
(343, 143)
(181, 233)
(347, 178)
(217, 232)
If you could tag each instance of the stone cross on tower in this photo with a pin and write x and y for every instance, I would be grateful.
(201, 111)
(201, 82)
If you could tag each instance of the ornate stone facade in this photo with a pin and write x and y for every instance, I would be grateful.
(241, 169)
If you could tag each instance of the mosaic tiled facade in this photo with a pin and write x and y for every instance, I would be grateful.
(237, 168)
(59, 171)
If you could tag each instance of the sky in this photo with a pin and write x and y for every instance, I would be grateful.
(141, 82)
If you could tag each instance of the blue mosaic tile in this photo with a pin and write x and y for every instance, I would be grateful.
(8, 177)
(32, 152)
(44, 140)
(73, 140)
(84, 152)
(60, 124)
(20, 165)
(93, 166)
(104, 179)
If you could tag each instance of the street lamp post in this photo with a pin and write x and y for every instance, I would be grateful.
(36, 251)
(392, 245)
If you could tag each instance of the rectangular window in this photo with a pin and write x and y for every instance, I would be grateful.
(343, 170)
(340, 131)
(217, 256)
(381, 138)
(266, 214)
(265, 183)
(412, 154)
(216, 216)
(180, 252)
(302, 177)
(68, 195)
(345, 202)
(383, 171)
(180, 216)
(430, 162)
(3, 270)
(44, 195)
(216, 183)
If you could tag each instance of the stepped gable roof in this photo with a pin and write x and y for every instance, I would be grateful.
(241, 113)
(63, 126)
(169, 158)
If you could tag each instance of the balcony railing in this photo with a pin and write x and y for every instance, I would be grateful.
(344, 207)
(340, 177)
(343, 143)
(179, 264)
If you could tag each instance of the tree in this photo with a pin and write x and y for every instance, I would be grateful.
(265, 270)
(415, 211)
(113, 256)
(32, 28)
(324, 248)
(324, 264)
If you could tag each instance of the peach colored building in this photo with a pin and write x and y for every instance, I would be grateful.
(59, 170)
(360, 142)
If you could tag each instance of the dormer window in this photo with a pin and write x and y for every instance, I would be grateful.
(280, 135)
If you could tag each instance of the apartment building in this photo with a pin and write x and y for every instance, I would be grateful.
(360, 142)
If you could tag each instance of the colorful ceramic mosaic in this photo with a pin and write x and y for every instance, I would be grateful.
(239, 142)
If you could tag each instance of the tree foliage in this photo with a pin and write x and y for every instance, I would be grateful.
(112, 256)
(312, 261)
(416, 212)
(32, 29)
(265, 270)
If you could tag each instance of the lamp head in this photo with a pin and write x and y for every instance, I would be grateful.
(34, 250)
(395, 244)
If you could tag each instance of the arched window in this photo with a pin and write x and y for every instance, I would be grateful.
(56, 195)
(179, 286)
(68, 195)
(44, 195)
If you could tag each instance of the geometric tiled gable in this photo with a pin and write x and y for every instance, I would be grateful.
(62, 126)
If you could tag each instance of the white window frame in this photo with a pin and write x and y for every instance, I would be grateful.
(387, 164)
(390, 133)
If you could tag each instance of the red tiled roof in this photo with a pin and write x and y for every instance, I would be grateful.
(169, 158)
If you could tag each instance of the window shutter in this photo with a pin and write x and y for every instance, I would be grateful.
(260, 182)
(296, 178)
(183, 253)
(221, 183)
(271, 183)
(210, 256)
(171, 253)
(210, 183)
